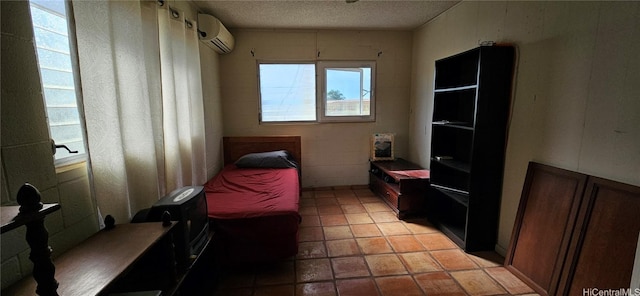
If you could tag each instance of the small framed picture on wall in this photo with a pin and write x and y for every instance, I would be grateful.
(382, 146)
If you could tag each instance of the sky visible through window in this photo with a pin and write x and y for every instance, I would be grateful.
(347, 81)
(288, 91)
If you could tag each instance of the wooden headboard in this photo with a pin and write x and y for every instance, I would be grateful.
(235, 147)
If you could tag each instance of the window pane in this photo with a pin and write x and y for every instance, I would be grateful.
(63, 116)
(54, 60)
(56, 79)
(347, 91)
(287, 92)
(60, 97)
(50, 18)
(53, 6)
(50, 40)
(66, 133)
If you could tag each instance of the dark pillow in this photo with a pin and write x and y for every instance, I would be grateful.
(272, 159)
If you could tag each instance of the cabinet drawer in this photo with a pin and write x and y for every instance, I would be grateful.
(385, 190)
(391, 196)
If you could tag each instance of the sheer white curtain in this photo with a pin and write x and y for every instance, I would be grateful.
(144, 127)
(183, 123)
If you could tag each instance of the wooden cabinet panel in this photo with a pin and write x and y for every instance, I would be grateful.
(543, 225)
(573, 232)
(604, 249)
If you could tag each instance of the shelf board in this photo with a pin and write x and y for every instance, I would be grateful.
(454, 124)
(459, 196)
(458, 165)
(452, 89)
(456, 234)
(393, 186)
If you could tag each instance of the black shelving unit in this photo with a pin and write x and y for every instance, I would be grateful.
(470, 113)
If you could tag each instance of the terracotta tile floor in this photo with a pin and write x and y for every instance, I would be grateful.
(351, 243)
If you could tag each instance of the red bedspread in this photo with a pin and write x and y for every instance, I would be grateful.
(254, 213)
(247, 193)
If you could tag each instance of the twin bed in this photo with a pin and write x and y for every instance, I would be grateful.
(253, 202)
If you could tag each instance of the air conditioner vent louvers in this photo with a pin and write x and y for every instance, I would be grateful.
(219, 44)
(214, 34)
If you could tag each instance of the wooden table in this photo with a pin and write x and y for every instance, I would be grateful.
(91, 267)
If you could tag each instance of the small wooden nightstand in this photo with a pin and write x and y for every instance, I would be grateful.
(402, 185)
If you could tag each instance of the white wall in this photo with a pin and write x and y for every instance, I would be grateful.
(576, 101)
(333, 154)
(210, 66)
(27, 155)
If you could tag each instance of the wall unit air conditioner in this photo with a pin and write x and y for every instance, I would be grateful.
(213, 33)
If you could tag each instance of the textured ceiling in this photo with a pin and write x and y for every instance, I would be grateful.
(323, 14)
